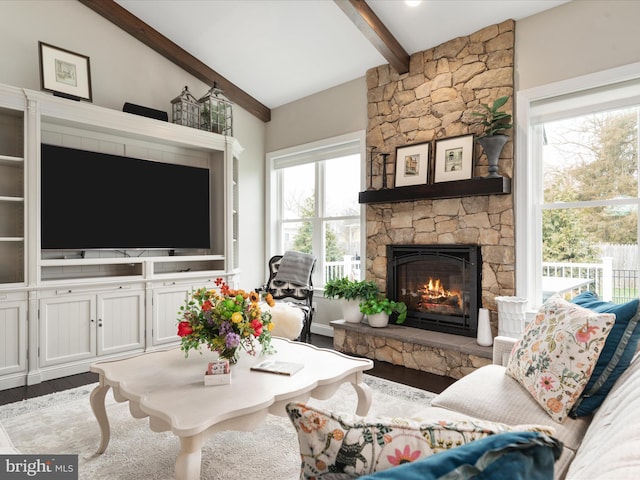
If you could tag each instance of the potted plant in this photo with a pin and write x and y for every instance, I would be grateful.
(380, 307)
(351, 293)
(492, 139)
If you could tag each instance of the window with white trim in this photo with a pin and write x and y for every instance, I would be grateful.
(313, 198)
(577, 189)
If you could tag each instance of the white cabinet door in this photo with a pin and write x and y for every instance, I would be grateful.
(13, 342)
(67, 329)
(120, 321)
(166, 304)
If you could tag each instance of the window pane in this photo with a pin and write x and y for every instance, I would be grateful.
(298, 191)
(298, 236)
(342, 184)
(590, 249)
(342, 249)
(592, 157)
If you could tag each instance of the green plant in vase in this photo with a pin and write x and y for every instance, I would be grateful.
(350, 289)
(495, 122)
(351, 293)
(383, 305)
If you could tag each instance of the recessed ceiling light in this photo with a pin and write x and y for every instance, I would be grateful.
(413, 3)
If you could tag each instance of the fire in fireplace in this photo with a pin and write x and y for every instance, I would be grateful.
(441, 285)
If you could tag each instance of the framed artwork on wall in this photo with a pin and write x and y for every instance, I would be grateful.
(453, 159)
(66, 74)
(412, 164)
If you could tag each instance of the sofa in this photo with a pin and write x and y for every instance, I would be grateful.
(605, 445)
(596, 427)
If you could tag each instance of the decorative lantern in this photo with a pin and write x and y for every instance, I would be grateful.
(216, 112)
(186, 110)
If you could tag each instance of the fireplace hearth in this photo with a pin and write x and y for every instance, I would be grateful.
(441, 285)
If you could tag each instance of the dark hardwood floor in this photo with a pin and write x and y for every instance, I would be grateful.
(424, 380)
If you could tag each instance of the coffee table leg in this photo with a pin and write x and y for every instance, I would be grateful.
(364, 397)
(100, 412)
(189, 458)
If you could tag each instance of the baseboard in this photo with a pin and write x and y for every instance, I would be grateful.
(320, 329)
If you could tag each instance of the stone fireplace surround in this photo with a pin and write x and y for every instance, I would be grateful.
(434, 100)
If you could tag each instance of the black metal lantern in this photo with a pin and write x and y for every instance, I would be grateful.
(185, 109)
(216, 112)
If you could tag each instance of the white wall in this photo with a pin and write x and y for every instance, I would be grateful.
(334, 112)
(574, 39)
(125, 70)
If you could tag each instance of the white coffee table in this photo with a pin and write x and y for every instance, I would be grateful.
(169, 389)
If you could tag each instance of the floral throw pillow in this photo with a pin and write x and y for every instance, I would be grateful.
(555, 355)
(344, 446)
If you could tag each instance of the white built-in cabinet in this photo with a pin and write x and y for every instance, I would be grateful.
(60, 311)
(77, 326)
(13, 342)
(167, 298)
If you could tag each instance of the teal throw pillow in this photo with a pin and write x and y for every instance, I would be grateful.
(616, 355)
(505, 456)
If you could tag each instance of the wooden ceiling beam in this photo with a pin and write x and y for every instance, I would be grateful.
(376, 32)
(131, 24)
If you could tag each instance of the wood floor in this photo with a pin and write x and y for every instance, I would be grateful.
(424, 380)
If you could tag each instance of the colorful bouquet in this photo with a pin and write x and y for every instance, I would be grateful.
(225, 321)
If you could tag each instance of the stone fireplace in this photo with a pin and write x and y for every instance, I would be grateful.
(434, 101)
(440, 284)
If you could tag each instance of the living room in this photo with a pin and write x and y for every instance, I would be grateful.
(573, 40)
(570, 52)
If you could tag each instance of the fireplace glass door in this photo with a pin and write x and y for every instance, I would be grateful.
(440, 285)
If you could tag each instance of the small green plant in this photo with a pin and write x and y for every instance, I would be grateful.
(350, 289)
(381, 304)
(494, 121)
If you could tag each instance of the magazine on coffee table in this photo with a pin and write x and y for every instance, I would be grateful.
(281, 368)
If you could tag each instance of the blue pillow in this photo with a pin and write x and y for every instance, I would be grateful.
(508, 456)
(616, 355)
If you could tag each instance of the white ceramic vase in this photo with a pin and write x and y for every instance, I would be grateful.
(485, 338)
(351, 310)
(378, 320)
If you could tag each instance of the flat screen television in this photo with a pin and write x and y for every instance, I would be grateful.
(94, 200)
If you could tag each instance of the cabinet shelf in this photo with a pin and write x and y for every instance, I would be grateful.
(458, 188)
(9, 161)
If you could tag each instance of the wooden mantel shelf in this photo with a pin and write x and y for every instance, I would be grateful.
(459, 188)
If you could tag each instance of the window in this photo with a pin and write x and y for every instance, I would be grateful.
(313, 198)
(577, 187)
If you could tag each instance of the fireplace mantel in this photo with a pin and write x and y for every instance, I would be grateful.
(458, 188)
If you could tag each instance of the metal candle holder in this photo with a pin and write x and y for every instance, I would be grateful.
(384, 169)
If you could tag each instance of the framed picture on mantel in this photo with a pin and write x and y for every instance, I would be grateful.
(453, 159)
(412, 164)
(64, 73)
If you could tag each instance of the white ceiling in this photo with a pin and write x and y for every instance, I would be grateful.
(279, 51)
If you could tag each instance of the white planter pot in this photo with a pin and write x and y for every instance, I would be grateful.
(351, 310)
(378, 320)
(511, 316)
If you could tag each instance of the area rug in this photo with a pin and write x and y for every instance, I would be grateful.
(63, 423)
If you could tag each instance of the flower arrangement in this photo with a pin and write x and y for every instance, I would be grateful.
(225, 321)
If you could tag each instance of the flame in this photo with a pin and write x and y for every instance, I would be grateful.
(434, 292)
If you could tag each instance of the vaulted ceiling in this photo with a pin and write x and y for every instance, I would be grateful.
(266, 53)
